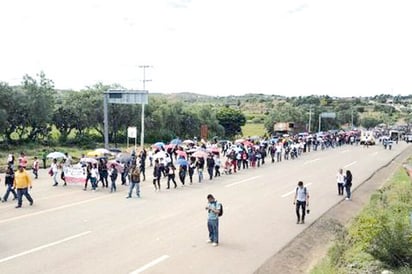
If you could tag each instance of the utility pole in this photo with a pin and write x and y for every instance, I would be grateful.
(144, 67)
(352, 118)
(310, 118)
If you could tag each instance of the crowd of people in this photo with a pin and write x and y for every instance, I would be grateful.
(182, 163)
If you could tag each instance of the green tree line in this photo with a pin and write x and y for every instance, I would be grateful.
(35, 111)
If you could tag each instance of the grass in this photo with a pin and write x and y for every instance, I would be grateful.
(250, 129)
(351, 251)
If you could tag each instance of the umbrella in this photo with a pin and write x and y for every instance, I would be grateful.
(182, 162)
(102, 151)
(247, 143)
(187, 142)
(181, 153)
(88, 160)
(115, 150)
(239, 141)
(117, 165)
(55, 155)
(93, 153)
(123, 157)
(159, 144)
(200, 154)
(176, 141)
(214, 150)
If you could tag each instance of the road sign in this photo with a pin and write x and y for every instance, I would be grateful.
(131, 132)
(328, 115)
(127, 96)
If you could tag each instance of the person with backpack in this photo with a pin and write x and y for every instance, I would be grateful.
(134, 181)
(215, 210)
(301, 201)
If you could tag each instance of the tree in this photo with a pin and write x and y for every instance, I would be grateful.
(39, 104)
(285, 112)
(232, 120)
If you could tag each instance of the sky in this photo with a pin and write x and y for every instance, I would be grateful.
(212, 47)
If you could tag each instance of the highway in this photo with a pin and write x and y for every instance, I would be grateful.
(69, 230)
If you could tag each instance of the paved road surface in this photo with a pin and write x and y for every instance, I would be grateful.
(72, 231)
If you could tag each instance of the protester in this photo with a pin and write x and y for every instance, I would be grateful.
(348, 185)
(213, 208)
(192, 167)
(9, 181)
(53, 171)
(22, 182)
(94, 176)
(200, 165)
(210, 164)
(134, 181)
(10, 160)
(23, 160)
(301, 200)
(170, 170)
(113, 176)
(157, 173)
(35, 168)
(340, 179)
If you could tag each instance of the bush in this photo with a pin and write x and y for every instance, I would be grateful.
(393, 245)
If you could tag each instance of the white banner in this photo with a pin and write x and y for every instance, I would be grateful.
(75, 175)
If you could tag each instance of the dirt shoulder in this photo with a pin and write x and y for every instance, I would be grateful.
(305, 251)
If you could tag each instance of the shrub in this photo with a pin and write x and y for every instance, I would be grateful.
(393, 244)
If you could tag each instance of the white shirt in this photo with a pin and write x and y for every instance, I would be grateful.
(340, 178)
(301, 194)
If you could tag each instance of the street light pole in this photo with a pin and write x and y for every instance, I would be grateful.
(144, 67)
(310, 117)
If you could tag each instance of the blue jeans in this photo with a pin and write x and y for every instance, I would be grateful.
(348, 191)
(8, 190)
(93, 181)
(20, 193)
(113, 186)
(213, 227)
(134, 184)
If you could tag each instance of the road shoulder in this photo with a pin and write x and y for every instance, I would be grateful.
(308, 248)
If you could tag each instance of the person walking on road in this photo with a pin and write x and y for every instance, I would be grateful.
(348, 184)
(301, 201)
(35, 167)
(157, 174)
(134, 181)
(22, 182)
(9, 181)
(113, 176)
(53, 171)
(340, 180)
(213, 208)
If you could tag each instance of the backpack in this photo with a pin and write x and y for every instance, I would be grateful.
(221, 210)
(304, 190)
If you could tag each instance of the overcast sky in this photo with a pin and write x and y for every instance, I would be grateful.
(213, 47)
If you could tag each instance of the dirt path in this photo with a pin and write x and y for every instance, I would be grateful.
(305, 251)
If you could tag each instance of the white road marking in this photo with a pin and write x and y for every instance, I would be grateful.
(44, 246)
(149, 265)
(311, 161)
(351, 164)
(293, 191)
(51, 210)
(243, 181)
